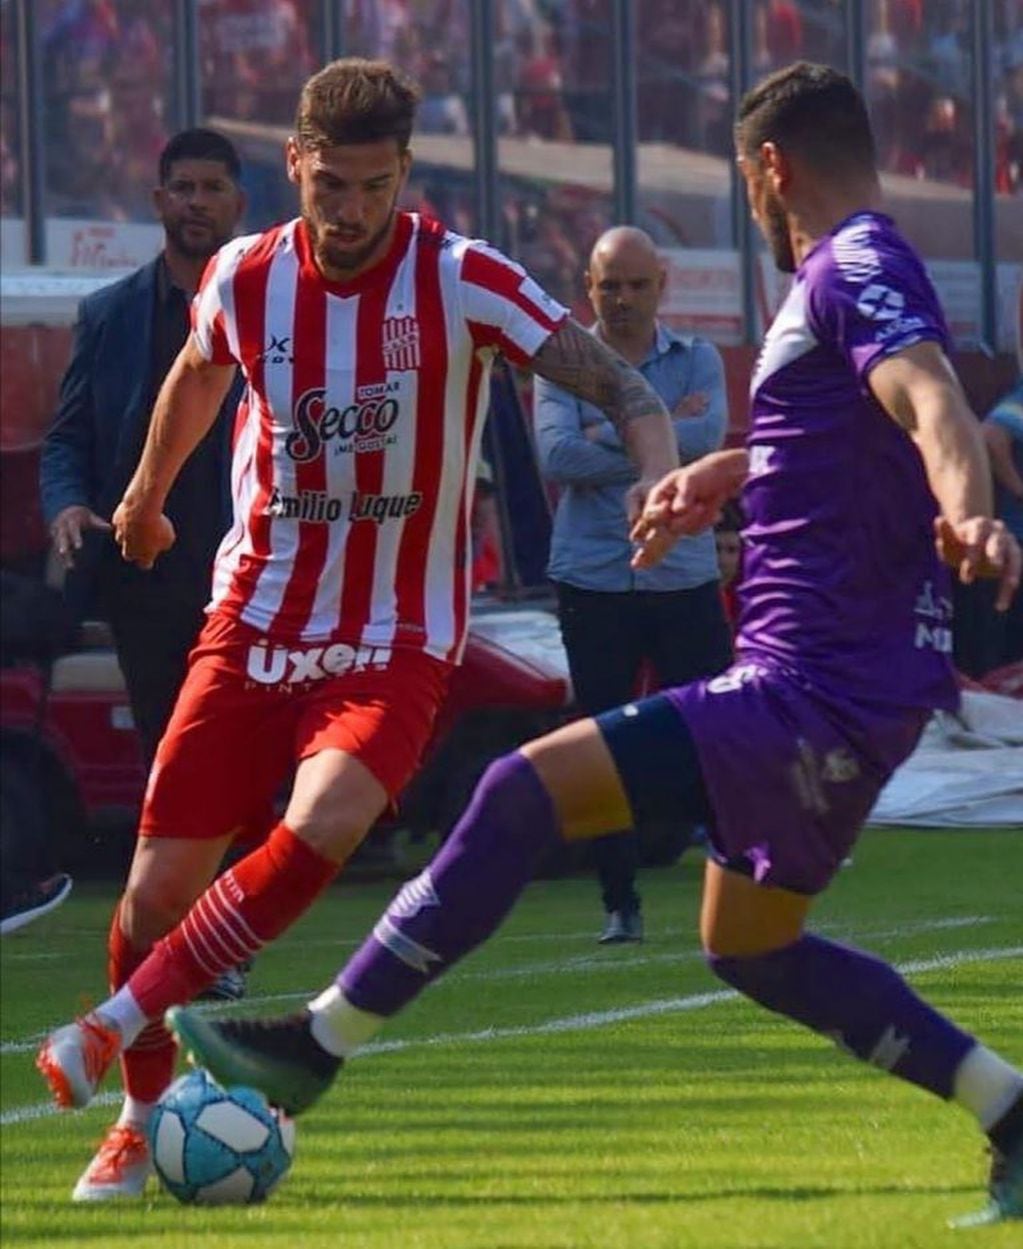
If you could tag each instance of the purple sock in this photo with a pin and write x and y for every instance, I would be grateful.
(859, 1002)
(463, 895)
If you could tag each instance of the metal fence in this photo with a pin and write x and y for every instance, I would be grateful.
(543, 121)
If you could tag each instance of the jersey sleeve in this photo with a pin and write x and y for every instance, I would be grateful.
(505, 309)
(874, 300)
(211, 307)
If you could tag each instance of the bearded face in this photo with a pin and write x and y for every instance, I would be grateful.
(774, 226)
(767, 211)
(348, 197)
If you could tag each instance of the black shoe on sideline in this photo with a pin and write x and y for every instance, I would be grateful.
(229, 986)
(622, 927)
(39, 899)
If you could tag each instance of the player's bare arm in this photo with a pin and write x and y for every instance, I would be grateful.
(581, 364)
(185, 409)
(686, 501)
(918, 388)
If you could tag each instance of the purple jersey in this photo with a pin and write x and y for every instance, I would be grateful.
(841, 583)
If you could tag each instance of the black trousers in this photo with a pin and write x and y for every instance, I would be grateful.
(608, 637)
(153, 636)
(984, 639)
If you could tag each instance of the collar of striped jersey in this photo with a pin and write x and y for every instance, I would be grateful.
(382, 271)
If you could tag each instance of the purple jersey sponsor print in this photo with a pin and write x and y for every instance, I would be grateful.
(844, 641)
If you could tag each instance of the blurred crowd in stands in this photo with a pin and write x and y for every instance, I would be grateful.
(920, 85)
(108, 78)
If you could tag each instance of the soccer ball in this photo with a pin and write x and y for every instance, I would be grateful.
(216, 1146)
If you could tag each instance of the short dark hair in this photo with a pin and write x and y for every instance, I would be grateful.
(200, 144)
(356, 101)
(812, 111)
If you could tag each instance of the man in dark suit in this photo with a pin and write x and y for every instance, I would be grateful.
(126, 339)
(127, 336)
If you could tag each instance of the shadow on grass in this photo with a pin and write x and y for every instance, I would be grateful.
(123, 1221)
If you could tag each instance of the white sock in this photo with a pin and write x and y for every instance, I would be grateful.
(340, 1027)
(125, 1014)
(135, 1113)
(986, 1085)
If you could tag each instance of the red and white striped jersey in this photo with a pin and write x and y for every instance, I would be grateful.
(357, 440)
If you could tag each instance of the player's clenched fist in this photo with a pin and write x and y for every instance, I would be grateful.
(141, 537)
(981, 547)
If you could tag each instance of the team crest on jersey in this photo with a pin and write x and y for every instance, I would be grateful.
(401, 343)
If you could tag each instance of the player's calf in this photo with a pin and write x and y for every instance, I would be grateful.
(857, 1000)
(866, 1006)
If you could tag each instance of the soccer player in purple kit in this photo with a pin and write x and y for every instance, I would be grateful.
(863, 481)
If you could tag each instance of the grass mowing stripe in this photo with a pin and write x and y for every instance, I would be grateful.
(570, 1023)
(662, 1006)
(585, 962)
(958, 921)
(604, 960)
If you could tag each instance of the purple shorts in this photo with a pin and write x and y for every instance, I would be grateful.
(791, 775)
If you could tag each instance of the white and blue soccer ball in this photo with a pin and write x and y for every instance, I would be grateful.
(215, 1146)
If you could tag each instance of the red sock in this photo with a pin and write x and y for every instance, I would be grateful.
(148, 1065)
(250, 904)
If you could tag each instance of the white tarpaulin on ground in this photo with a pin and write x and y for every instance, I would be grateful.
(967, 770)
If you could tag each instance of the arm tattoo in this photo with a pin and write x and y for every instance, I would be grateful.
(581, 364)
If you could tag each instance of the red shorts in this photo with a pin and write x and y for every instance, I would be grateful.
(250, 709)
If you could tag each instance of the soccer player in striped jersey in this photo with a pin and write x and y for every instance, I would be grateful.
(864, 479)
(340, 595)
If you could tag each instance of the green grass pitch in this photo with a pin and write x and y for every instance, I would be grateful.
(551, 1094)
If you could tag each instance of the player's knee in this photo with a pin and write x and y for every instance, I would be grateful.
(150, 908)
(764, 977)
(724, 967)
(332, 812)
(499, 774)
(500, 787)
(333, 833)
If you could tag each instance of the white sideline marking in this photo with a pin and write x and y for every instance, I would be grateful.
(661, 1006)
(605, 961)
(569, 1023)
(602, 961)
(834, 930)
(43, 1110)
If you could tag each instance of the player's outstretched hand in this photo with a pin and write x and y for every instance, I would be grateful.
(141, 536)
(981, 547)
(686, 501)
(675, 506)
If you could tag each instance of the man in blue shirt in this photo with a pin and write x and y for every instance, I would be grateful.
(1003, 436)
(617, 621)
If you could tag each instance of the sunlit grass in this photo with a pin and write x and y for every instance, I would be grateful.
(698, 1121)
